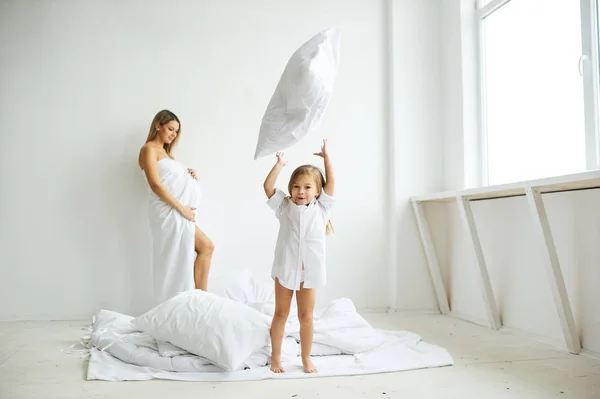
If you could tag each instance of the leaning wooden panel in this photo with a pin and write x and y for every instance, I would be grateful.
(491, 308)
(432, 262)
(557, 282)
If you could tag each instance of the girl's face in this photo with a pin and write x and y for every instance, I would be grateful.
(168, 132)
(304, 190)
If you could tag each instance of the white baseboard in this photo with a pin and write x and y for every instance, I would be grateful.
(469, 318)
(513, 330)
(381, 309)
(415, 311)
(484, 323)
(399, 311)
(558, 344)
(590, 354)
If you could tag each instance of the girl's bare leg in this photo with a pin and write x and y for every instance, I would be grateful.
(305, 298)
(283, 300)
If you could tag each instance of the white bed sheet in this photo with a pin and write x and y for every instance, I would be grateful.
(344, 344)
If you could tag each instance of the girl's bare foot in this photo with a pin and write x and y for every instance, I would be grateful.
(276, 366)
(309, 367)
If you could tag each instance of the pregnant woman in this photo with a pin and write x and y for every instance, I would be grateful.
(181, 251)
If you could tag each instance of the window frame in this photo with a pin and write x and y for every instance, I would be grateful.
(588, 67)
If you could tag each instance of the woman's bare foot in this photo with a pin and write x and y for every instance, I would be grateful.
(276, 366)
(309, 367)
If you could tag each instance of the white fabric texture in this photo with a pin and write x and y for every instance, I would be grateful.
(302, 94)
(301, 240)
(218, 329)
(167, 349)
(242, 287)
(344, 344)
(172, 235)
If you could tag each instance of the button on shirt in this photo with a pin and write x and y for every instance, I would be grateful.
(301, 240)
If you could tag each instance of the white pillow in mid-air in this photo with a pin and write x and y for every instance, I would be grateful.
(302, 94)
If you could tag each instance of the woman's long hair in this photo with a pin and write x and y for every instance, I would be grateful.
(164, 116)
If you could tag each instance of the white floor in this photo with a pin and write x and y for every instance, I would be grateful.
(489, 364)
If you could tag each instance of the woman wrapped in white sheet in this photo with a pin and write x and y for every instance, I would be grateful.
(181, 251)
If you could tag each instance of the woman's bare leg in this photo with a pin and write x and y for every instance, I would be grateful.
(204, 248)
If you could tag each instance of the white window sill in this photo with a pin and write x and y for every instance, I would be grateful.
(578, 181)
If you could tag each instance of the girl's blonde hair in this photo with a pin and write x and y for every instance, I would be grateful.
(319, 179)
(162, 117)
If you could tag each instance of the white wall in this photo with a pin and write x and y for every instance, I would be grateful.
(80, 83)
(460, 96)
(417, 120)
(511, 250)
(452, 95)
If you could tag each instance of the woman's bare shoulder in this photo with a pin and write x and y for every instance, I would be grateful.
(147, 151)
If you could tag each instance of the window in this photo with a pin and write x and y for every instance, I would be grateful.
(539, 85)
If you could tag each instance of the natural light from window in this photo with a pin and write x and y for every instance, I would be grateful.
(534, 109)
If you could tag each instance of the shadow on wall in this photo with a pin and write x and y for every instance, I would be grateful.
(112, 198)
(414, 286)
(125, 181)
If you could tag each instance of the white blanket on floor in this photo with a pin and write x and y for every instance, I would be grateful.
(344, 344)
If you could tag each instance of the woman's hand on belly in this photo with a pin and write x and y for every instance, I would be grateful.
(188, 212)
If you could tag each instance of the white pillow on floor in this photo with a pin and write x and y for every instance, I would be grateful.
(302, 94)
(220, 330)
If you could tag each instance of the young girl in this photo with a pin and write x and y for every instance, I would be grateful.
(299, 263)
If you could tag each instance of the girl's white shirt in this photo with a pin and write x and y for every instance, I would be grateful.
(301, 240)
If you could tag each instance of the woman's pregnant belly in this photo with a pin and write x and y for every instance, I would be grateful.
(194, 192)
